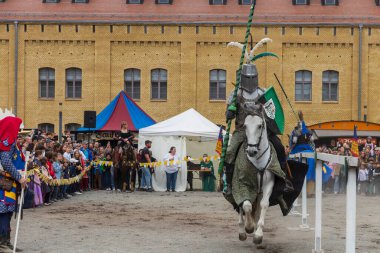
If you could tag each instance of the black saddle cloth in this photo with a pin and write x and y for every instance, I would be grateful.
(298, 171)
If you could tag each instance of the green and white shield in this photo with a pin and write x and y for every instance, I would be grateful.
(273, 111)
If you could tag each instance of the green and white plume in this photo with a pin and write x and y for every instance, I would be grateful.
(250, 56)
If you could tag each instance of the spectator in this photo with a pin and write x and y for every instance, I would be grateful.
(208, 178)
(171, 169)
(363, 179)
(57, 166)
(146, 174)
(336, 167)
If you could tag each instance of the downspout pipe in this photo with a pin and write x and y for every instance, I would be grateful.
(360, 72)
(16, 68)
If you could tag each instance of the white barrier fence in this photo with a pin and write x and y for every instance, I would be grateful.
(352, 163)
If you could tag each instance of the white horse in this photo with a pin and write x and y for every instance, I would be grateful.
(258, 152)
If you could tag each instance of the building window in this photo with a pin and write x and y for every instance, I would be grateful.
(159, 84)
(46, 127)
(72, 127)
(132, 83)
(377, 2)
(217, 84)
(330, 84)
(51, 1)
(303, 85)
(301, 2)
(73, 83)
(80, 1)
(47, 82)
(164, 1)
(245, 2)
(135, 1)
(330, 2)
(217, 2)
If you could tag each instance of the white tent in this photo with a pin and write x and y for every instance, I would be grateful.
(191, 134)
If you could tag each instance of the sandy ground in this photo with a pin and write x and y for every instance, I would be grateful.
(183, 222)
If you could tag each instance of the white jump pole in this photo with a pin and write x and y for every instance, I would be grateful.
(21, 200)
(318, 208)
(351, 211)
(304, 224)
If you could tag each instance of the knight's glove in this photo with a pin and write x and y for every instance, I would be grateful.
(231, 113)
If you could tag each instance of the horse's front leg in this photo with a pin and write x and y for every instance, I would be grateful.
(242, 233)
(268, 183)
(249, 221)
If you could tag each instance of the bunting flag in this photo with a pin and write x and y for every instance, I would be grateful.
(219, 143)
(354, 145)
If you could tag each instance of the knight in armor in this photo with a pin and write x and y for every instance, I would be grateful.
(249, 93)
(12, 162)
(301, 138)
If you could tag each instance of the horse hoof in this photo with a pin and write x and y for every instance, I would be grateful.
(249, 230)
(257, 240)
(242, 236)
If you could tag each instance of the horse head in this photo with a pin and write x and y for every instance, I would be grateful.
(255, 129)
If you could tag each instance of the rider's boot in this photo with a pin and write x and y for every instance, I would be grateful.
(229, 171)
(285, 209)
(288, 185)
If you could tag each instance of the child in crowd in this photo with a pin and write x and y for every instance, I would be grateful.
(44, 186)
(363, 180)
(107, 172)
(65, 175)
(57, 166)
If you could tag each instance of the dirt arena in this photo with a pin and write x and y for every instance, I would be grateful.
(105, 222)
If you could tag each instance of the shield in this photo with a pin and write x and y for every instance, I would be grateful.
(274, 113)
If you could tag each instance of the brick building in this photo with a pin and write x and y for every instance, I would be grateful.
(171, 55)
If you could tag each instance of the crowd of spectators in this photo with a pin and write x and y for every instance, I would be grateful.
(49, 159)
(368, 179)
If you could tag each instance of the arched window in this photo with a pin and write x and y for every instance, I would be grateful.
(330, 84)
(159, 84)
(303, 85)
(72, 127)
(73, 83)
(46, 127)
(132, 81)
(47, 82)
(217, 84)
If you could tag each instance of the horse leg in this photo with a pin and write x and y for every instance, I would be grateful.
(242, 233)
(249, 222)
(268, 182)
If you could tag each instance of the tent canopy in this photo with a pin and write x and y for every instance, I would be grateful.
(121, 108)
(190, 132)
(188, 123)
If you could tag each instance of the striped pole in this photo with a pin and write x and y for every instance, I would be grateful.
(227, 136)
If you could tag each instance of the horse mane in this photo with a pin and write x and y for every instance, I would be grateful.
(253, 109)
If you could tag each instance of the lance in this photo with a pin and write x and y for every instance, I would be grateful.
(286, 96)
(233, 104)
(21, 200)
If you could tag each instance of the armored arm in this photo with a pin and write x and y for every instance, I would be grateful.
(6, 162)
(231, 108)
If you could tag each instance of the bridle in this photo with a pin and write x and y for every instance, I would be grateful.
(257, 145)
(261, 136)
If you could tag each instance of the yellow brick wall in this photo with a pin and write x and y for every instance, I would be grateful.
(5, 80)
(104, 51)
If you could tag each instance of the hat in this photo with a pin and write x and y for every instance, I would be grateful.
(9, 127)
(369, 137)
